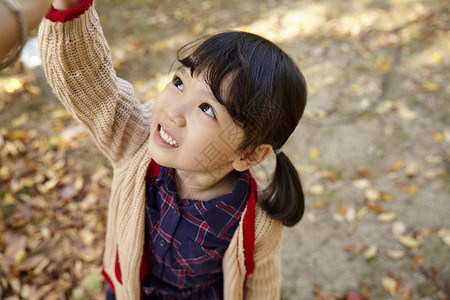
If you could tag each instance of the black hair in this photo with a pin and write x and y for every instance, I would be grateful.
(266, 96)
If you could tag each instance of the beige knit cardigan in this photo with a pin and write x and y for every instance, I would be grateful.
(77, 63)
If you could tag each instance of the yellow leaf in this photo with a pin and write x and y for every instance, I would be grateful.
(79, 183)
(138, 84)
(314, 154)
(371, 252)
(20, 255)
(383, 65)
(13, 85)
(319, 204)
(397, 165)
(390, 285)
(438, 136)
(430, 87)
(20, 121)
(9, 199)
(412, 189)
(436, 58)
(408, 242)
(18, 134)
(411, 169)
(385, 197)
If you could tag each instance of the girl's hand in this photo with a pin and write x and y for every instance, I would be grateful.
(63, 5)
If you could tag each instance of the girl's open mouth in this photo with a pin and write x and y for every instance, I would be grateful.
(167, 138)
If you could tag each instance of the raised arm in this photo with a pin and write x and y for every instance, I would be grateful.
(33, 11)
(77, 63)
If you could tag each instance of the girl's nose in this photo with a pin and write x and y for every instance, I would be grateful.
(175, 114)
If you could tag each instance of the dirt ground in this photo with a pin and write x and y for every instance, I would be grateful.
(372, 149)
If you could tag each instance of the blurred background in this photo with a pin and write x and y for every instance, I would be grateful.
(372, 148)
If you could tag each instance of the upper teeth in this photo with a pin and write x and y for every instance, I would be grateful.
(167, 138)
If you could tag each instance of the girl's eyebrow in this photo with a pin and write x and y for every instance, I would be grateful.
(183, 71)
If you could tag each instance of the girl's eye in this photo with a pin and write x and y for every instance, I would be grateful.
(207, 109)
(178, 83)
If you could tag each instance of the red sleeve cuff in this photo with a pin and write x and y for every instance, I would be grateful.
(70, 14)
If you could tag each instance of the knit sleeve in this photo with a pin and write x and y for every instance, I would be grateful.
(265, 281)
(78, 67)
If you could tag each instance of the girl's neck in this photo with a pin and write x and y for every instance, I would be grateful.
(204, 186)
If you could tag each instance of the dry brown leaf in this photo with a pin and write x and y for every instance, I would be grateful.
(355, 248)
(375, 208)
(417, 262)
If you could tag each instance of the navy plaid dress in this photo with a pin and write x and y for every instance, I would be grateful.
(186, 239)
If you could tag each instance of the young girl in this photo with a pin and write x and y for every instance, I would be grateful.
(185, 220)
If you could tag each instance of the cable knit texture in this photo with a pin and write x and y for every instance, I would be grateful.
(77, 63)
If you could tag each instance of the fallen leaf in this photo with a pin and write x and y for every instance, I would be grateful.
(411, 169)
(444, 234)
(355, 248)
(311, 217)
(372, 195)
(371, 252)
(412, 189)
(375, 208)
(20, 121)
(87, 237)
(387, 217)
(8, 199)
(317, 189)
(417, 262)
(408, 241)
(354, 296)
(396, 166)
(13, 85)
(405, 113)
(69, 191)
(430, 87)
(314, 154)
(438, 136)
(382, 64)
(390, 285)
(395, 254)
(361, 184)
(398, 228)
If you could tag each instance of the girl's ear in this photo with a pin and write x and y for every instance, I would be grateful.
(248, 160)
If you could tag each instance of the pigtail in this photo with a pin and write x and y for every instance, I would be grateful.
(283, 199)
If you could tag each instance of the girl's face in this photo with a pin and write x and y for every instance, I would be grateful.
(191, 131)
